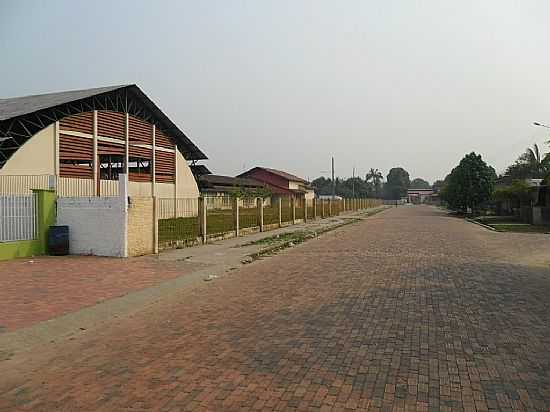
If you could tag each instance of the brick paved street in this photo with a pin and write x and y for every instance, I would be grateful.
(37, 289)
(407, 310)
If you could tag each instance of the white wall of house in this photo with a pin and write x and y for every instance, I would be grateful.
(35, 157)
(293, 185)
(310, 194)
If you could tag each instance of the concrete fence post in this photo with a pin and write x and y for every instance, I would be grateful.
(305, 209)
(260, 207)
(330, 207)
(280, 210)
(236, 215)
(322, 208)
(314, 208)
(155, 226)
(202, 218)
(293, 207)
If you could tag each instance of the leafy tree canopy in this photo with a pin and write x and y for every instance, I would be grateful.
(438, 185)
(470, 184)
(419, 183)
(350, 187)
(531, 164)
(519, 190)
(397, 183)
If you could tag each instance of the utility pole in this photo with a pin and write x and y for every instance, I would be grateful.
(333, 181)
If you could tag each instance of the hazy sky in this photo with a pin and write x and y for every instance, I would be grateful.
(287, 84)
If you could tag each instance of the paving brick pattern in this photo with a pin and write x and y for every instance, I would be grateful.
(34, 290)
(409, 310)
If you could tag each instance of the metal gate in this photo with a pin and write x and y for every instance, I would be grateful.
(18, 217)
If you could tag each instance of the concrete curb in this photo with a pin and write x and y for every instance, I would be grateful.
(481, 224)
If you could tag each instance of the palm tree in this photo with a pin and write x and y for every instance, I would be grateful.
(537, 163)
(376, 176)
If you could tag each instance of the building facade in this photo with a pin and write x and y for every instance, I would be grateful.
(86, 138)
(281, 183)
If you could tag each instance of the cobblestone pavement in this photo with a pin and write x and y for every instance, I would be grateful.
(33, 290)
(407, 310)
(37, 289)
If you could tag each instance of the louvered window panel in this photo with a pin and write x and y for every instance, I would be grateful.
(82, 122)
(163, 140)
(111, 124)
(140, 131)
(75, 148)
(142, 152)
(109, 148)
(165, 167)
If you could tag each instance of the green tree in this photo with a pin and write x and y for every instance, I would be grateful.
(419, 183)
(397, 183)
(519, 191)
(470, 184)
(529, 165)
(438, 185)
(376, 177)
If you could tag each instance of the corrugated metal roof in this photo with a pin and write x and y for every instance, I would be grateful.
(280, 173)
(19, 106)
(12, 108)
(229, 181)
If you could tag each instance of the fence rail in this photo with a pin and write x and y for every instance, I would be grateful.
(18, 217)
(181, 221)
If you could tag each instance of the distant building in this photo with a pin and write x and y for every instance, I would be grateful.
(418, 196)
(217, 185)
(327, 197)
(281, 183)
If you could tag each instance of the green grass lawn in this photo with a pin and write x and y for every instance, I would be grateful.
(520, 228)
(182, 228)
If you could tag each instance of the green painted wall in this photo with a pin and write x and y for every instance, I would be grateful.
(45, 219)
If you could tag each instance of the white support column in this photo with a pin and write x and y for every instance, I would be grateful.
(95, 163)
(127, 146)
(57, 161)
(175, 178)
(155, 226)
(123, 194)
(153, 164)
(56, 149)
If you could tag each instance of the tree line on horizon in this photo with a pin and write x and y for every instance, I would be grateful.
(373, 185)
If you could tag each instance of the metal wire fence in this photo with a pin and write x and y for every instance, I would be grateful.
(299, 208)
(286, 209)
(177, 221)
(271, 213)
(310, 209)
(220, 217)
(248, 214)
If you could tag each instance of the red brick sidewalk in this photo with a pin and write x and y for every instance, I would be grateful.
(408, 311)
(34, 290)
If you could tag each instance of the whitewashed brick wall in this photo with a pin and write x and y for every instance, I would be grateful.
(96, 225)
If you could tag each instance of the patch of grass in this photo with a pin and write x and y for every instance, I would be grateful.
(282, 238)
(181, 228)
(520, 228)
(488, 220)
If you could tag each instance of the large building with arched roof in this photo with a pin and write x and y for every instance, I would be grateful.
(86, 138)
